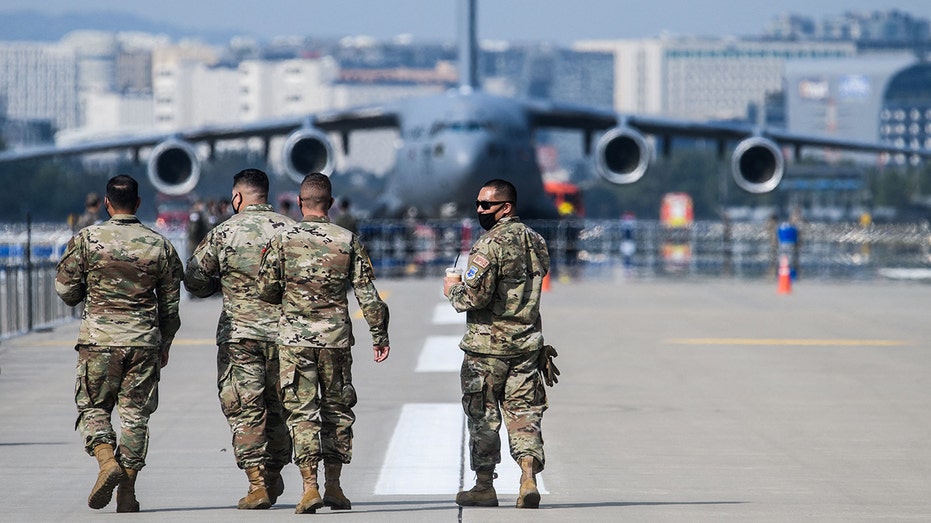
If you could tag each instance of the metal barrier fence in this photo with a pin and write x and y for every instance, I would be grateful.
(593, 249)
(27, 278)
(600, 248)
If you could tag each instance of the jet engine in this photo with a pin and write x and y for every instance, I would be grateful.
(757, 165)
(307, 151)
(622, 155)
(173, 167)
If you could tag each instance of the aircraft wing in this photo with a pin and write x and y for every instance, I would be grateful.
(623, 153)
(331, 121)
(173, 163)
(569, 116)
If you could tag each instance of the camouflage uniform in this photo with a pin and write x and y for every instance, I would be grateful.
(501, 297)
(247, 358)
(309, 269)
(129, 277)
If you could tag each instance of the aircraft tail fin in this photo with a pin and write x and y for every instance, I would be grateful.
(468, 45)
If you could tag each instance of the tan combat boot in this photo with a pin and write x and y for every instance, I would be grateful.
(333, 496)
(482, 494)
(311, 500)
(274, 483)
(126, 492)
(529, 496)
(257, 497)
(109, 476)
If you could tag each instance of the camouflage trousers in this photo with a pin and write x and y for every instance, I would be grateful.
(491, 385)
(247, 381)
(121, 377)
(318, 396)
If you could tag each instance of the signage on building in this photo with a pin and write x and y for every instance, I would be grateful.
(854, 87)
(814, 89)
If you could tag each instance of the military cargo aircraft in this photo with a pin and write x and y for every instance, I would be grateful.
(451, 143)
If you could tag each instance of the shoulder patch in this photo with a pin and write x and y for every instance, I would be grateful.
(471, 273)
(481, 261)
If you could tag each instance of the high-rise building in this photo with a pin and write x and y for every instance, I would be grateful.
(703, 78)
(40, 82)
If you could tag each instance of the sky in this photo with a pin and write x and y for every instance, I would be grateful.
(557, 21)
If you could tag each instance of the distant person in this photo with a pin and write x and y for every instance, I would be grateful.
(197, 225)
(91, 214)
(220, 212)
(345, 218)
(308, 269)
(129, 278)
(772, 232)
(247, 357)
(503, 345)
(286, 207)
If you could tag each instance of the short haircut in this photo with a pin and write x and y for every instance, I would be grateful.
(504, 190)
(123, 192)
(255, 179)
(316, 189)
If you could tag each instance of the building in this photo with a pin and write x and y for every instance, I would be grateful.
(842, 97)
(703, 78)
(905, 113)
(40, 82)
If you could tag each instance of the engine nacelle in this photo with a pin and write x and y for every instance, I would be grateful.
(173, 167)
(307, 151)
(757, 165)
(622, 155)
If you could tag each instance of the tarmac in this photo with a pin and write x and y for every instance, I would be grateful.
(717, 400)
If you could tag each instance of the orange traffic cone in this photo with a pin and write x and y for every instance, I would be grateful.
(785, 276)
(546, 282)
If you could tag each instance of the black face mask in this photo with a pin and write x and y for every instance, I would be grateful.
(487, 221)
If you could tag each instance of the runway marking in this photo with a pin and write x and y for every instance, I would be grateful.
(440, 354)
(420, 459)
(420, 454)
(445, 314)
(787, 342)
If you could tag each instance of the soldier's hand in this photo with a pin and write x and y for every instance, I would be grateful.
(163, 357)
(547, 367)
(381, 352)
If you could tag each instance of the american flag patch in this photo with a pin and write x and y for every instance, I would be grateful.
(480, 260)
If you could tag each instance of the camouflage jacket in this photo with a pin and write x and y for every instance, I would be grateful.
(309, 269)
(129, 277)
(501, 291)
(228, 260)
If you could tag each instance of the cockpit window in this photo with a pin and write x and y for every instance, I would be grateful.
(460, 126)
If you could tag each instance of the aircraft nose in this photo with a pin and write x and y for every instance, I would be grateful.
(467, 157)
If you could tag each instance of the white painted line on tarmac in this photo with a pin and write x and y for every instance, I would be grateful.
(440, 354)
(421, 456)
(445, 314)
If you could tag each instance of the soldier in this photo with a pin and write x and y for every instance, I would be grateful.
(90, 214)
(502, 345)
(129, 277)
(346, 219)
(309, 268)
(247, 356)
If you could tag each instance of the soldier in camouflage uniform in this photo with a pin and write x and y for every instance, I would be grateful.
(309, 269)
(501, 297)
(247, 356)
(129, 278)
